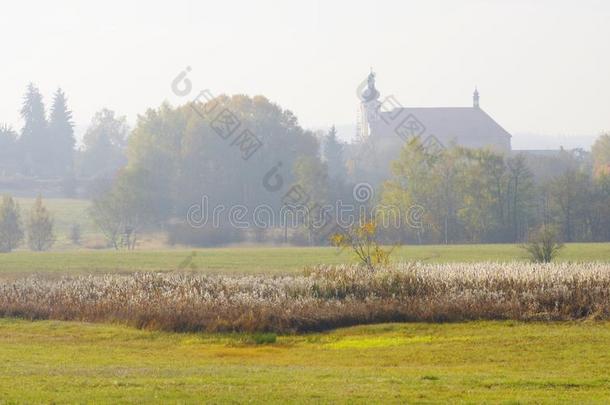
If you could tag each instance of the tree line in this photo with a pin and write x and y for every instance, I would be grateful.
(46, 148)
(467, 195)
(474, 196)
(45, 145)
(249, 152)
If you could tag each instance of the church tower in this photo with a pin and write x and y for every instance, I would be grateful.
(369, 105)
(475, 98)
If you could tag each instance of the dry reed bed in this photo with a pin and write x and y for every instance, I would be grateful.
(321, 298)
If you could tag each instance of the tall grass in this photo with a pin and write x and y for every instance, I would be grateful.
(321, 298)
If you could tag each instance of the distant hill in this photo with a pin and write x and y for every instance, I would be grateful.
(538, 141)
(519, 141)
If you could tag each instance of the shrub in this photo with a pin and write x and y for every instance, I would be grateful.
(362, 239)
(543, 245)
(263, 338)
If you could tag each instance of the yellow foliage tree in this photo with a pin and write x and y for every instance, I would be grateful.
(362, 239)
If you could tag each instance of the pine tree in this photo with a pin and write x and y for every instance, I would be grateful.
(61, 132)
(40, 227)
(11, 231)
(333, 155)
(9, 152)
(34, 138)
(335, 161)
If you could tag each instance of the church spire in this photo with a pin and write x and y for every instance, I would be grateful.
(370, 93)
(475, 98)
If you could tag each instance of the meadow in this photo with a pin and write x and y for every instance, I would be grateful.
(258, 260)
(66, 213)
(473, 362)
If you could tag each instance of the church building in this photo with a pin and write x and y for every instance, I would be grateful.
(387, 122)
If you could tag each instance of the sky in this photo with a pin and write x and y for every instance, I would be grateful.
(542, 67)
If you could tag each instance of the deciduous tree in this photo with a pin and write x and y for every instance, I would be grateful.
(40, 227)
(104, 145)
(601, 155)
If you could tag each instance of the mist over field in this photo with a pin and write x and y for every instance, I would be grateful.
(305, 201)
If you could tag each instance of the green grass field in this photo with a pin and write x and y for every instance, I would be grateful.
(66, 212)
(504, 362)
(263, 260)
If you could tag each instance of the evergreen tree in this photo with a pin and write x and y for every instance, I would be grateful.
(34, 138)
(61, 132)
(312, 177)
(11, 231)
(333, 155)
(40, 227)
(9, 152)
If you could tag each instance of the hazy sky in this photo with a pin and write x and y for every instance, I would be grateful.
(541, 66)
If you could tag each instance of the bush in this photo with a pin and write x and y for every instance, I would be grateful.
(262, 338)
(362, 240)
(543, 245)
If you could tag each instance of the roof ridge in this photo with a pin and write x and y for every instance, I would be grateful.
(432, 108)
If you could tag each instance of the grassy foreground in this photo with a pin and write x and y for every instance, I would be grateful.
(478, 361)
(264, 259)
